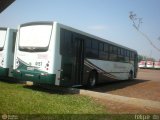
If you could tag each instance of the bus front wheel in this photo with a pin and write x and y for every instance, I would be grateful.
(130, 75)
(92, 80)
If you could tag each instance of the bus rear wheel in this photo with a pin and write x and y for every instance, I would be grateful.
(92, 80)
(130, 75)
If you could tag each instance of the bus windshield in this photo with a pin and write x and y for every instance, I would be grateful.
(2, 38)
(35, 37)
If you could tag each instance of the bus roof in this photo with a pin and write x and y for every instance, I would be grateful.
(3, 28)
(77, 31)
(93, 36)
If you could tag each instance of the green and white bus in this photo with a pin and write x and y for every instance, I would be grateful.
(7, 44)
(52, 53)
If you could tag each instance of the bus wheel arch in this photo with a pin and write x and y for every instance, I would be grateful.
(92, 78)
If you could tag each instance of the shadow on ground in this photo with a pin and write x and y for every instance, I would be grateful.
(104, 88)
(53, 89)
(115, 85)
(9, 80)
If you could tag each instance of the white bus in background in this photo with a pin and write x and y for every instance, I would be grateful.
(149, 64)
(56, 54)
(157, 64)
(7, 45)
(142, 64)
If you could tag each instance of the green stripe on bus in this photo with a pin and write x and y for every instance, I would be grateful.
(4, 71)
(36, 77)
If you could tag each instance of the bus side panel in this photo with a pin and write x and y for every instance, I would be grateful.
(55, 44)
(4, 70)
(3, 58)
(7, 54)
(102, 78)
(10, 51)
(110, 70)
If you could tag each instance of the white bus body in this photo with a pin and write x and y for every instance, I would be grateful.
(142, 64)
(157, 64)
(149, 64)
(52, 53)
(7, 43)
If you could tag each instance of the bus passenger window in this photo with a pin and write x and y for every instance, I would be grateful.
(102, 54)
(126, 56)
(95, 44)
(66, 43)
(88, 43)
(88, 50)
(106, 47)
(113, 53)
(101, 46)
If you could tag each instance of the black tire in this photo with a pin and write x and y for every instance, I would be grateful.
(92, 80)
(131, 76)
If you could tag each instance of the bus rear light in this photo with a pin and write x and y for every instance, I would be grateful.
(47, 66)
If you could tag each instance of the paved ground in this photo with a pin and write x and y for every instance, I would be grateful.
(149, 74)
(146, 86)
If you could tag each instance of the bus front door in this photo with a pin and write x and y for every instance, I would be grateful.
(78, 61)
(72, 65)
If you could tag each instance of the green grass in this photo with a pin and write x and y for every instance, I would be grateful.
(16, 99)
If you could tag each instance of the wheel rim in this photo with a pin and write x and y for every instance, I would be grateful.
(130, 76)
(92, 81)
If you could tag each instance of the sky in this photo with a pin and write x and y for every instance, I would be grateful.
(108, 19)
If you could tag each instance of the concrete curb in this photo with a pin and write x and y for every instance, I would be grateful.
(122, 99)
(106, 96)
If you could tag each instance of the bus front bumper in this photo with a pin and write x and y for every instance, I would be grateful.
(35, 77)
(4, 71)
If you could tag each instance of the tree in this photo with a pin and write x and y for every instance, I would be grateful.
(136, 24)
(145, 58)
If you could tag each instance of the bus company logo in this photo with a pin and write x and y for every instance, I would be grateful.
(4, 117)
(42, 56)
